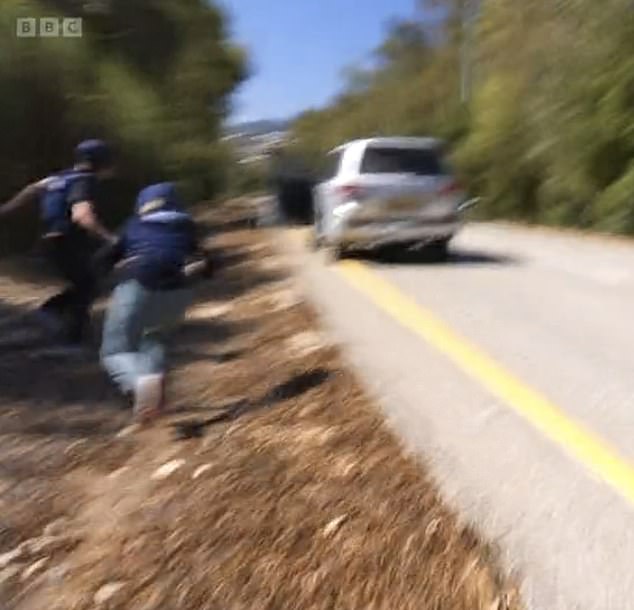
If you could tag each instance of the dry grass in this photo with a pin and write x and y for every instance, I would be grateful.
(303, 498)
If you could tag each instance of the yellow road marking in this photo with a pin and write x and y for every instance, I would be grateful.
(593, 452)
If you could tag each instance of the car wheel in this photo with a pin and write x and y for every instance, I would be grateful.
(315, 241)
(439, 250)
(333, 253)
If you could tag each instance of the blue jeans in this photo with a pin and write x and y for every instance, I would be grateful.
(138, 325)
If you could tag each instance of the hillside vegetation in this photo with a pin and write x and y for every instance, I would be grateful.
(544, 132)
(152, 77)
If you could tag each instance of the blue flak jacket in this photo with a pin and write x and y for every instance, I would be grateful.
(157, 251)
(158, 241)
(62, 191)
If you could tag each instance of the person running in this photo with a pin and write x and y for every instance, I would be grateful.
(71, 228)
(157, 253)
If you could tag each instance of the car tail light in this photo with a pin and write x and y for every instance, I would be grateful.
(452, 188)
(351, 192)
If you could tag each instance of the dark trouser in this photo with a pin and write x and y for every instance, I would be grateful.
(71, 260)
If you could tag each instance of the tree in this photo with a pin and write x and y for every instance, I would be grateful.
(153, 77)
(547, 134)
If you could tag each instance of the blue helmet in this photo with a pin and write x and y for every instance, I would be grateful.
(161, 197)
(94, 152)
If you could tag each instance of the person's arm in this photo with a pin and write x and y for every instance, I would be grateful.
(83, 215)
(109, 255)
(27, 196)
(81, 199)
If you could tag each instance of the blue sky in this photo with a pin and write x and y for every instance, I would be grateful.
(300, 47)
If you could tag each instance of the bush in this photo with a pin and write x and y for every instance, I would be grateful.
(108, 84)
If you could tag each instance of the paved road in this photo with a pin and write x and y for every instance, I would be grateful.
(509, 370)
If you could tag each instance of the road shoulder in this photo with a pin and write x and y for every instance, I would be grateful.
(288, 490)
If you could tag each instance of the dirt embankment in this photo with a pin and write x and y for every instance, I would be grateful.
(284, 488)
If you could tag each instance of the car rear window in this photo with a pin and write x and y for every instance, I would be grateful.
(419, 161)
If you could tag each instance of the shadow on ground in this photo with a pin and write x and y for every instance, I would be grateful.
(294, 387)
(196, 332)
(458, 257)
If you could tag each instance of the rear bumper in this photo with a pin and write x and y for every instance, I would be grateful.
(374, 234)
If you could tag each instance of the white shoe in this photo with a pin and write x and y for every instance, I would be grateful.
(148, 398)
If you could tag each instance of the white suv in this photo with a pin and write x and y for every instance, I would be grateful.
(387, 191)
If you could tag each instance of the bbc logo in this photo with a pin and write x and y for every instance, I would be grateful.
(49, 27)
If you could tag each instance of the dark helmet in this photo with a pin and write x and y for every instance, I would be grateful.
(95, 152)
(161, 197)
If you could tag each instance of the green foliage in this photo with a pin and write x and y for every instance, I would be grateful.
(248, 179)
(548, 132)
(614, 208)
(152, 77)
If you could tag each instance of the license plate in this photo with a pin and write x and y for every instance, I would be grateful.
(404, 204)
